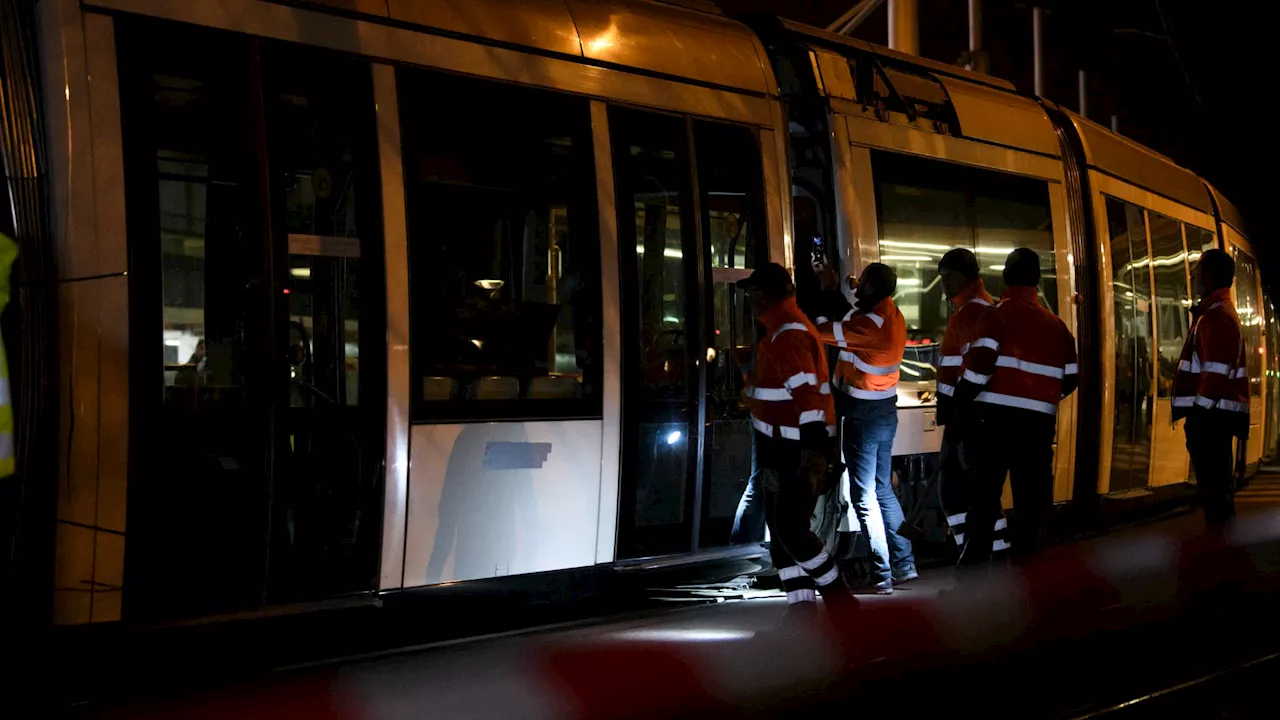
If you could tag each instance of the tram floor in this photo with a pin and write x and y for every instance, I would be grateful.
(504, 675)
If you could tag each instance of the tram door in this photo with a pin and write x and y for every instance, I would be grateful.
(254, 239)
(1134, 397)
(1271, 375)
(690, 220)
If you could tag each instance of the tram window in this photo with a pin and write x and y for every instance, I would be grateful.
(1173, 301)
(923, 213)
(1199, 240)
(503, 250)
(320, 149)
(1012, 212)
(927, 207)
(1250, 311)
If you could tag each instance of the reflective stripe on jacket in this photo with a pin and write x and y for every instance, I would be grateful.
(972, 304)
(1213, 368)
(871, 347)
(790, 386)
(1024, 356)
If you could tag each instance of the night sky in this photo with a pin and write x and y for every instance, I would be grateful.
(1187, 79)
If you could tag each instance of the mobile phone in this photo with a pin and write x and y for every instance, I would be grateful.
(819, 252)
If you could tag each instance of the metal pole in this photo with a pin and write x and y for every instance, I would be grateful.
(1084, 96)
(854, 16)
(904, 29)
(1115, 124)
(1036, 20)
(975, 36)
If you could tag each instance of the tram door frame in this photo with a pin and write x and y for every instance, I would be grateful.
(692, 417)
(173, 537)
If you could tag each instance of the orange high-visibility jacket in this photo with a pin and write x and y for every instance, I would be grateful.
(1024, 356)
(972, 304)
(871, 346)
(1213, 371)
(790, 386)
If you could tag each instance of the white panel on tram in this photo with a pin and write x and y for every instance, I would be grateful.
(494, 499)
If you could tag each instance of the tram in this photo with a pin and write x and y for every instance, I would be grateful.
(445, 290)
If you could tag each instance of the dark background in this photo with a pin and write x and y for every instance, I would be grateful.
(1195, 81)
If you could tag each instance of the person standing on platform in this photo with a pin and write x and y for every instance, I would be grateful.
(1211, 387)
(872, 337)
(1021, 365)
(793, 418)
(961, 278)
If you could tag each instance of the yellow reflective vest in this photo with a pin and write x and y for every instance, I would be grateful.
(8, 253)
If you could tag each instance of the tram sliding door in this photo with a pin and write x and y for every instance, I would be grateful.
(1131, 307)
(1248, 294)
(254, 241)
(690, 209)
(1170, 462)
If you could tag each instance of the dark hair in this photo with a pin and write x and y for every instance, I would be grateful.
(1022, 267)
(883, 278)
(963, 261)
(1219, 268)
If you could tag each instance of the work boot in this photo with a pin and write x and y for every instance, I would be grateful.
(838, 598)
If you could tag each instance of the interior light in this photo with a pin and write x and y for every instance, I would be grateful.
(711, 354)
(489, 284)
(300, 272)
(674, 436)
(478, 343)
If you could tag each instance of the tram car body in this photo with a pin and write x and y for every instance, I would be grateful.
(445, 290)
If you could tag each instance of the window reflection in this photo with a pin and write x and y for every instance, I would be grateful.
(1173, 301)
(1131, 295)
(926, 208)
(1250, 311)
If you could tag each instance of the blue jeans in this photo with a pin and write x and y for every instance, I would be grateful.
(869, 427)
(748, 522)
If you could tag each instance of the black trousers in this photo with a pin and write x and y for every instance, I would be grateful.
(802, 561)
(1015, 444)
(1209, 443)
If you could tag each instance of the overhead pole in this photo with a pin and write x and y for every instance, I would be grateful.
(1037, 48)
(904, 26)
(1084, 95)
(854, 16)
(977, 58)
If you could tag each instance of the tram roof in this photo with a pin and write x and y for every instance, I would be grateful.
(1227, 211)
(685, 39)
(1123, 158)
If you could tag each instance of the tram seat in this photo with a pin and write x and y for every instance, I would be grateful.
(439, 388)
(552, 387)
(497, 388)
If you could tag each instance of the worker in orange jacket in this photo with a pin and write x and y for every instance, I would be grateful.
(961, 278)
(872, 337)
(1015, 373)
(1211, 386)
(789, 394)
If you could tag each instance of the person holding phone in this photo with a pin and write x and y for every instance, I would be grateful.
(872, 338)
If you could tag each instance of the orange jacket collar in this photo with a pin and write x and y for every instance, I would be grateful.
(780, 314)
(1022, 293)
(973, 291)
(884, 308)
